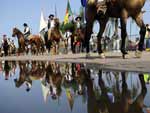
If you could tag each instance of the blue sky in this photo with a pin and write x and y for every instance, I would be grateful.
(16, 12)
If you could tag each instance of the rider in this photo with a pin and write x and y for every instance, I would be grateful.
(78, 22)
(51, 24)
(27, 31)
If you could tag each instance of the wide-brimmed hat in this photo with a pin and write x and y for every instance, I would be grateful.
(51, 16)
(25, 24)
(4, 35)
(78, 17)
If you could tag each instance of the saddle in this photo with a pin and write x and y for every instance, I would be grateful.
(102, 5)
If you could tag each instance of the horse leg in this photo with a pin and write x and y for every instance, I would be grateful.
(103, 23)
(123, 21)
(88, 32)
(141, 24)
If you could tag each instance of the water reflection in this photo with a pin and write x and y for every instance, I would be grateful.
(85, 89)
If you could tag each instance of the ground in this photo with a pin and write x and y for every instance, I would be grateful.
(113, 61)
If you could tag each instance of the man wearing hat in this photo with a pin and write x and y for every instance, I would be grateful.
(78, 22)
(51, 24)
(26, 31)
(50, 19)
(5, 45)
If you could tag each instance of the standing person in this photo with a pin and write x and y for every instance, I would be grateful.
(79, 33)
(116, 42)
(27, 31)
(147, 38)
(5, 45)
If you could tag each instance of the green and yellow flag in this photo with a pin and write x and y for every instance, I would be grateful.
(68, 13)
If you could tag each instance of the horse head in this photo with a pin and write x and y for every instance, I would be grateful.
(56, 20)
(15, 31)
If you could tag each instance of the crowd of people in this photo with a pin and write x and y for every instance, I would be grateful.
(72, 40)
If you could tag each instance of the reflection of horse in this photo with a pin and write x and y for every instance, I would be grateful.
(33, 40)
(119, 9)
(37, 70)
(54, 79)
(54, 34)
(125, 103)
(23, 77)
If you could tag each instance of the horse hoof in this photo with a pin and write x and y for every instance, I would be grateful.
(87, 55)
(138, 54)
(102, 55)
(123, 56)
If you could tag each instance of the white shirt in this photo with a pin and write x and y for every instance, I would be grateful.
(27, 29)
(52, 24)
(78, 24)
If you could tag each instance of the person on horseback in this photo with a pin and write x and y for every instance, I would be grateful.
(78, 22)
(51, 24)
(27, 32)
(50, 21)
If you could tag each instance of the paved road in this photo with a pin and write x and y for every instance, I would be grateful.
(113, 61)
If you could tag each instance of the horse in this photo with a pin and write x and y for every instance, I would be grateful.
(117, 9)
(37, 42)
(21, 41)
(54, 35)
(33, 40)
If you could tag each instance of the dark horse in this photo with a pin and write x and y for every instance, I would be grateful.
(118, 9)
(33, 40)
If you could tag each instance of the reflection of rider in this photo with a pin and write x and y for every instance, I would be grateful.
(26, 31)
(6, 69)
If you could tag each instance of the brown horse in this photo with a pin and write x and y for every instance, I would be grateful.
(37, 42)
(119, 9)
(33, 40)
(21, 41)
(54, 34)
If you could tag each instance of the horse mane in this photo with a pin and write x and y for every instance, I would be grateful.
(18, 31)
(57, 22)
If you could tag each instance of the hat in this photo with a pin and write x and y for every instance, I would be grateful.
(4, 35)
(78, 17)
(51, 15)
(25, 24)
